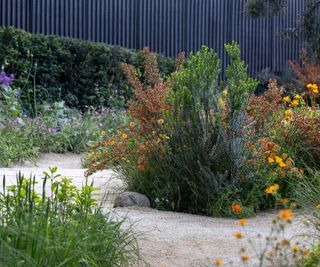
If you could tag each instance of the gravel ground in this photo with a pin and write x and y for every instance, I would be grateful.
(165, 238)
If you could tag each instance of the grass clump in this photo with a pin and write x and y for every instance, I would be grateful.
(62, 226)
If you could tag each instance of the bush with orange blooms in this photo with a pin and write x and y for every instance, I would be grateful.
(133, 144)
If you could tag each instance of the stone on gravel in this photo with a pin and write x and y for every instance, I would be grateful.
(130, 199)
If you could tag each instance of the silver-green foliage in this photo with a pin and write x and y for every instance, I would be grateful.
(201, 171)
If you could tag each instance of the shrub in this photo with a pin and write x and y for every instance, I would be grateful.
(81, 73)
(195, 139)
(306, 73)
(290, 120)
(136, 141)
(64, 228)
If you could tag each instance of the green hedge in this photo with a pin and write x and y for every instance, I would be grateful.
(82, 73)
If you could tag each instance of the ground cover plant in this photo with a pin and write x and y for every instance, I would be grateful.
(56, 127)
(62, 226)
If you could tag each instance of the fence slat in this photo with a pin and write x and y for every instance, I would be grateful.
(166, 26)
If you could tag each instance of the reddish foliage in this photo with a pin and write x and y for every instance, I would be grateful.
(138, 143)
(148, 104)
(262, 107)
(306, 73)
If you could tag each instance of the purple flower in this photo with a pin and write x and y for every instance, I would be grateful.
(6, 80)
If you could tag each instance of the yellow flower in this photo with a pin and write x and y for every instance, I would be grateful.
(219, 262)
(286, 214)
(225, 92)
(245, 258)
(236, 208)
(295, 249)
(238, 235)
(242, 222)
(318, 206)
(160, 121)
(282, 164)
(270, 160)
(312, 87)
(287, 99)
(273, 189)
(278, 159)
(222, 103)
(295, 103)
(124, 136)
(132, 124)
(316, 91)
(103, 133)
(111, 143)
(90, 156)
(288, 113)
(297, 97)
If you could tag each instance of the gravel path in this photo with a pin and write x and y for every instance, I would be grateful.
(165, 238)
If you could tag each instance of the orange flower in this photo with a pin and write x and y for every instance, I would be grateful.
(237, 235)
(242, 222)
(318, 206)
(236, 208)
(282, 165)
(288, 163)
(132, 124)
(286, 214)
(294, 103)
(273, 189)
(278, 159)
(245, 258)
(270, 160)
(306, 253)
(219, 262)
(124, 136)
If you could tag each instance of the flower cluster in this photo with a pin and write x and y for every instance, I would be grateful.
(313, 88)
(6, 80)
(270, 153)
(295, 102)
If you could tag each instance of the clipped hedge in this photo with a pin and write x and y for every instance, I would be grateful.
(82, 73)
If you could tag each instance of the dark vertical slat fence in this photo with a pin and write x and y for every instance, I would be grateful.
(166, 26)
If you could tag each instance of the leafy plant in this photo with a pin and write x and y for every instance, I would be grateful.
(192, 137)
(62, 227)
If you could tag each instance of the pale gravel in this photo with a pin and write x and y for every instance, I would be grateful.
(166, 238)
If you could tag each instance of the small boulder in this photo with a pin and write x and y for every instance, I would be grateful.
(130, 199)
